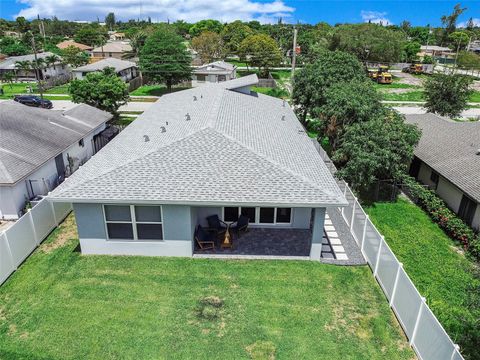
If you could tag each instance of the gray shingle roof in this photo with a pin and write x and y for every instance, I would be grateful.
(450, 148)
(240, 82)
(114, 47)
(9, 63)
(31, 136)
(235, 149)
(215, 67)
(117, 64)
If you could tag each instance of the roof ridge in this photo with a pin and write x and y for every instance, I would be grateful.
(273, 162)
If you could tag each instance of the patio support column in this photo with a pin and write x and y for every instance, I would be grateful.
(317, 233)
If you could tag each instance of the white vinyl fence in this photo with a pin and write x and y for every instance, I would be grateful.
(425, 333)
(19, 240)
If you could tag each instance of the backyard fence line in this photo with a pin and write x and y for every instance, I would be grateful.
(425, 333)
(28, 232)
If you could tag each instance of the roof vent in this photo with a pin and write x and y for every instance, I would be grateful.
(283, 117)
(166, 122)
(187, 117)
(283, 103)
(194, 98)
(146, 138)
(201, 96)
(477, 152)
(163, 129)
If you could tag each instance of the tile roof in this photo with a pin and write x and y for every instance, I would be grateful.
(450, 149)
(31, 136)
(114, 47)
(235, 149)
(9, 63)
(64, 44)
(117, 64)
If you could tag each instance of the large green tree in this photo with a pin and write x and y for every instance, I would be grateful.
(91, 35)
(410, 51)
(447, 95)
(205, 25)
(165, 59)
(346, 103)
(110, 21)
(260, 51)
(74, 57)
(209, 46)
(311, 82)
(450, 21)
(378, 149)
(233, 34)
(369, 42)
(103, 90)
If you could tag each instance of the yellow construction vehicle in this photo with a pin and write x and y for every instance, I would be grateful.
(416, 69)
(381, 76)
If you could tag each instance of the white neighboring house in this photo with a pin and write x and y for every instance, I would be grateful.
(447, 159)
(214, 72)
(127, 70)
(53, 70)
(40, 147)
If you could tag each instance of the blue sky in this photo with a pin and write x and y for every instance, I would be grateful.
(305, 11)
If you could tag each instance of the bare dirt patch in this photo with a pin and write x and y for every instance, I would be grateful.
(261, 350)
(66, 231)
(406, 78)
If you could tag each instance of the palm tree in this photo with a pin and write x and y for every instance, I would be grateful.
(24, 66)
(51, 60)
(137, 41)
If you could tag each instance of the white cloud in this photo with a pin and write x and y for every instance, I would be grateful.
(376, 17)
(158, 10)
(476, 22)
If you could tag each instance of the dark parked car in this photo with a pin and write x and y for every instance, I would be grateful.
(32, 100)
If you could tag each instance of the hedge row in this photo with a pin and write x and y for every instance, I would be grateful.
(444, 217)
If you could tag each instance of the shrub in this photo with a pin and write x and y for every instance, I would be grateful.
(444, 217)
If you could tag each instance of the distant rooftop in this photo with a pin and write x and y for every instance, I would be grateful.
(31, 136)
(435, 48)
(450, 148)
(9, 62)
(117, 64)
(65, 44)
(217, 67)
(210, 146)
(114, 47)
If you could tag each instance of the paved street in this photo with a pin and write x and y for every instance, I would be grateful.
(131, 106)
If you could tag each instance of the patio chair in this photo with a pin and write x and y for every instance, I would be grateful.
(240, 225)
(216, 225)
(204, 240)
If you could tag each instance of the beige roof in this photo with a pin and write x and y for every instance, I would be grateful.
(67, 43)
(114, 47)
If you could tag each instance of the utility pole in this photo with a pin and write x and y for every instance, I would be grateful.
(37, 70)
(294, 54)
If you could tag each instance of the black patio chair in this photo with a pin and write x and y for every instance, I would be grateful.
(240, 225)
(216, 225)
(205, 240)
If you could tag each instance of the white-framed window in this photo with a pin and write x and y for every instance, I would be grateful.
(133, 222)
(258, 215)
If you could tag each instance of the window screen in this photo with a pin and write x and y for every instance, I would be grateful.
(250, 213)
(117, 213)
(149, 231)
(267, 215)
(284, 215)
(123, 231)
(230, 214)
(148, 214)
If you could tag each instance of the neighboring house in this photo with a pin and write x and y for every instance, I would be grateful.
(116, 36)
(39, 147)
(127, 70)
(112, 49)
(437, 52)
(199, 152)
(214, 72)
(447, 159)
(53, 70)
(67, 43)
(13, 34)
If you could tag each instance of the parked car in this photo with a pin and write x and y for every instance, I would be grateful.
(31, 100)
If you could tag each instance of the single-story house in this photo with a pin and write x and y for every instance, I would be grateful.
(447, 159)
(435, 51)
(127, 70)
(52, 70)
(214, 72)
(116, 36)
(211, 150)
(115, 49)
(67, 43)
(40, 147)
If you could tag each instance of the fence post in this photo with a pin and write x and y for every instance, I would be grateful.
(378, 256)
(345, 196)
(9, 250)
(455, 349)
(417, 321)
(53, 212)
(394, 291)
(364, 233)
(35, 237)
(353, 212)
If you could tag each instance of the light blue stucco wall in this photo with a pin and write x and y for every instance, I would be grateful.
(317, 233)
(90, 221)
(177, 222)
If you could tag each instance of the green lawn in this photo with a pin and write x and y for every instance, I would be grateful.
(275, 92)
(62, 305)
(61, 89)
(395, 85)
(449, 281)
(238, 63)
(154, 90)
(21, 88)
(418, 95)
